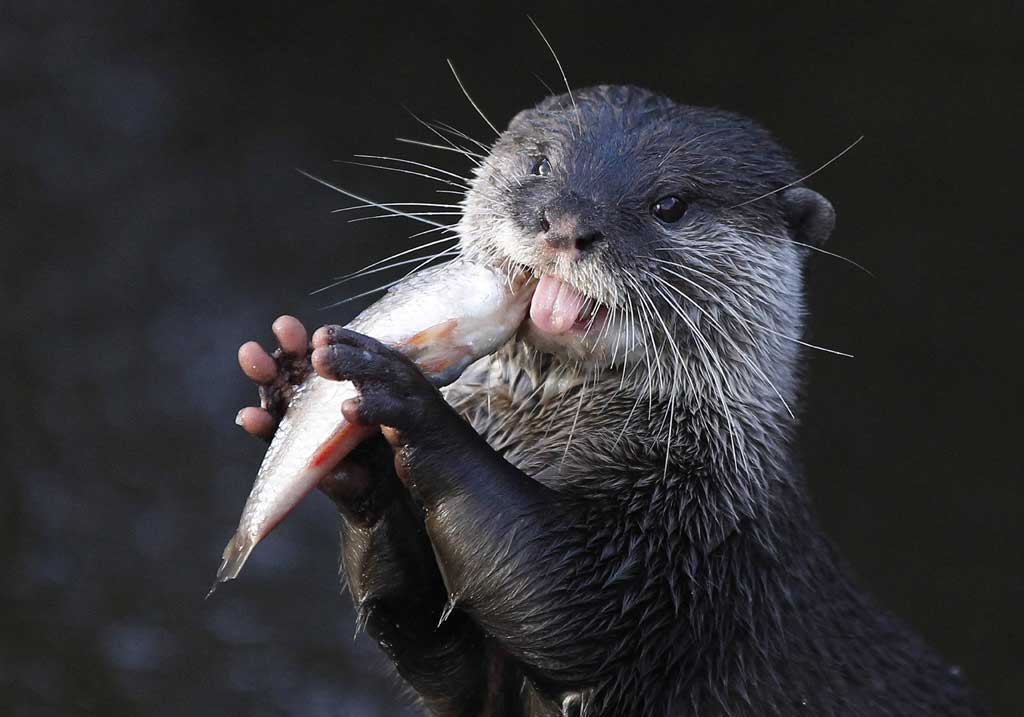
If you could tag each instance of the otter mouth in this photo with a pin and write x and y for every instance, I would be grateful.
(559, 309)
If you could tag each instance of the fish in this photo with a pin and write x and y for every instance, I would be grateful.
(443, 319)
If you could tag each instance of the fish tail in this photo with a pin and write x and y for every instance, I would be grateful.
(236, 552)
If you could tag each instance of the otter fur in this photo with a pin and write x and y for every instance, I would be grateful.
(610, 519)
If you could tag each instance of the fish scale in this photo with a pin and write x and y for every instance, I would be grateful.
(443, 319)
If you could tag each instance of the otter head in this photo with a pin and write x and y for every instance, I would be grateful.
(660, 233)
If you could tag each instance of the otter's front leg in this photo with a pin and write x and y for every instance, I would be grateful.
(500, 537)
(388, 562)
(399, 594)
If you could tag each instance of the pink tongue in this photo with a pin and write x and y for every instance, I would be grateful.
(555, 306)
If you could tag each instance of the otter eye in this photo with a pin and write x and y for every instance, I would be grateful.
(669, 209)
(542, 167)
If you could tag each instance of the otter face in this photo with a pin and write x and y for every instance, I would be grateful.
(656, 230)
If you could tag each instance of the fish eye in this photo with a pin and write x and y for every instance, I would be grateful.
(669, 209)
(542, 167)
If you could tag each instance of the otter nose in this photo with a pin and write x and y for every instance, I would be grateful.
(567, 232)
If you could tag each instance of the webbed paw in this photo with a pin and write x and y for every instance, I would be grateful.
(277, 375)
(393, 390)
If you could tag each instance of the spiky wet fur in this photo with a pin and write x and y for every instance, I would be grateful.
(672, 433)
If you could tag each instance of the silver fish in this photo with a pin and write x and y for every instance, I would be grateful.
(444, 319)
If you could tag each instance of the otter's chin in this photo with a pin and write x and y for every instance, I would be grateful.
(587, 342)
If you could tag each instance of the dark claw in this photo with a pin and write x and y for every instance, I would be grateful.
(341, 335)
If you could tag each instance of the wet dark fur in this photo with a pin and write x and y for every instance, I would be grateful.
(596, 544)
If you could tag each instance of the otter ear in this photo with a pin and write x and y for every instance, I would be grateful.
(810, 215)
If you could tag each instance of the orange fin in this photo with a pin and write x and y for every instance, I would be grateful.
(436, 354)
(438, 333)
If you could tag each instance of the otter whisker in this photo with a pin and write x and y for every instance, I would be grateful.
(649, 343)
(721, 304)
(453, 227)
(636, 368)
(433, 127)
(591, 305)
(744, 323)
(629, 417)
(647, 313)
(718, 327)
(575, 420)
(610, 318)
(664, 384)
(576, 109)
(543, 82)
(717, 376)
(464, 152)
(493, 201)
(664, 339)
(404, 252)
(387, 286)
(744, 298)
(498, 174)
(411, 214)
(471, 101)
(803, 178)
(818, 249)
(404, 171)
(628, 335)
(632, 330)
(626, 330)
(668, 334)
(346, 277)
(394, 204)
(649, 339)
(460, 134)
(360, 198)
(388, 267)
(424, 165)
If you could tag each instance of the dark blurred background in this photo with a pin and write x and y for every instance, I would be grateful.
(153, 220)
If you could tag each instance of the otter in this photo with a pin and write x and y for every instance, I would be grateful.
(606, 517)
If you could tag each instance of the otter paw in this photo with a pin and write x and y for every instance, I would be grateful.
(393, 391)
(277, 375)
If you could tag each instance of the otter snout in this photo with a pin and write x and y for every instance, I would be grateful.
(568, 231)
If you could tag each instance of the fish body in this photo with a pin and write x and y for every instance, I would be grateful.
(443, 319)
